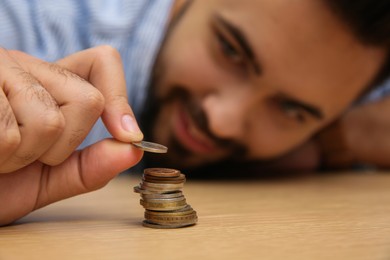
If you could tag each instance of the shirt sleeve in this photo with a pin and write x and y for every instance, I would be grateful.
(379, 92)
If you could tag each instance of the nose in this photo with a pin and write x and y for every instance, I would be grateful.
(227, 113)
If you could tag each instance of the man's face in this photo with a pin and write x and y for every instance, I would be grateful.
(252, 79)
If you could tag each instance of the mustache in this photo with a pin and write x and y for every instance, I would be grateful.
(200, 119)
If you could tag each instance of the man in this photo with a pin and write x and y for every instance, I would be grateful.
(233, 81)
(251, 94)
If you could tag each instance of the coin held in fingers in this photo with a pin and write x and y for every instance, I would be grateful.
(151, 147)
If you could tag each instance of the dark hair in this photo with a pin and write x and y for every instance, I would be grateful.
(369, 21)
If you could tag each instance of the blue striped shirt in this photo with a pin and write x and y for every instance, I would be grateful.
(51, 30)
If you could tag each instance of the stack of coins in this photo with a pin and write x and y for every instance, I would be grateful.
(164, 203)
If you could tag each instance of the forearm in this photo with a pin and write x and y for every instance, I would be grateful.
(361, 136)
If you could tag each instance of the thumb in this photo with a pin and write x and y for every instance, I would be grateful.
(87, 170)
(102, 67)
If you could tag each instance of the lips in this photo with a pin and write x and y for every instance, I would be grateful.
(189, 135)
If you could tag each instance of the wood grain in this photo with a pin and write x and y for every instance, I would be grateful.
(328, 216)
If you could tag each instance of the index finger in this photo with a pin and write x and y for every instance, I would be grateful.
(102, 67)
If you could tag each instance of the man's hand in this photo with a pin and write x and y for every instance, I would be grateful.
(46, 110)
(38, 184)
(361, 136)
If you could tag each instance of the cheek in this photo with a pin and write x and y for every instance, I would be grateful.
(266, 138)
(272, 144)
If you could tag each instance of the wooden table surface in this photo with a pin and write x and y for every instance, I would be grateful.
(329, 216)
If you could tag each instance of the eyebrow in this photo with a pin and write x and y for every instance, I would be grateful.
(240, 37)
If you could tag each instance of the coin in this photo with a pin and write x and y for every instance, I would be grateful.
(139, 190)
(171, 220)
(164, 203)
(179, 212)
(174, 194)
(162, 172)
(162, 186)
(164, 200)
(151, 147)
(146, 223)
(163, 206)
(159, 190)
(150, 178)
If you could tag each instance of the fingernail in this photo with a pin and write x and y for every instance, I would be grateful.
(130, 125)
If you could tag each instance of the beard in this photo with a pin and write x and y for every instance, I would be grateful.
(178, 156)
(155, 106)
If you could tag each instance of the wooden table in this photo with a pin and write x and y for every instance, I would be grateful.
(329, 216)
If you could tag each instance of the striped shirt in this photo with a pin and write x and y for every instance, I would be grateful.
(51, 30)
(377, 93)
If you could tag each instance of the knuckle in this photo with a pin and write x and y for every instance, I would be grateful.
(52, 124)
(105, 52)
(9, 134)
(93, 101)
(32, 89)
(25, 158)
(7, 118)
(36, 91)
(63, 149)
(18, 161)
(66, 74)
(10, 140)
(51, 159)
(118, 99)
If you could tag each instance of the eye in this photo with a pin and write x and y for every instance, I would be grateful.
(229, 50)
(292, 110)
